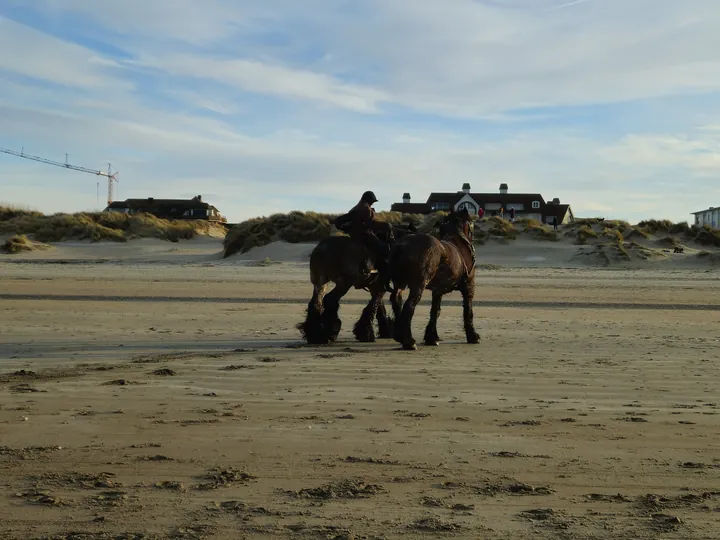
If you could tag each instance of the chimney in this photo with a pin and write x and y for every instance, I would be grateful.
(466, 188)
(406, 198)
(503, 189)
(556, 201)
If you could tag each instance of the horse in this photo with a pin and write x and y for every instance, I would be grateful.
(421, 261)
(347, 263)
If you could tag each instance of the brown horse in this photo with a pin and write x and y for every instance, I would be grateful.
(347, 263)
(421, 261)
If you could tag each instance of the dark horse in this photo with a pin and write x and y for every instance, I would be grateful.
(421, 261)
(347, 263)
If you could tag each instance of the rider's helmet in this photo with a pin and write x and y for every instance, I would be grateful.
(368, 197)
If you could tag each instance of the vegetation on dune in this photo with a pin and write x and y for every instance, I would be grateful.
(669, 241)
(537, 230)
(296, 227)
(655, 226)
(617, 239)
(293, 227)
(502, 228)
(582, 234)
(617, 236)
(613, 234)
(618, 224)
(20, 243)
(635, 232)
(706, 236)
(100, 226)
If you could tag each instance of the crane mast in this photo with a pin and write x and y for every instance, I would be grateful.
(111, 176)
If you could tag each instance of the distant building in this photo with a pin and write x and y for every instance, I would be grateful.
(711, 217)
(194, 208)
(526, 205)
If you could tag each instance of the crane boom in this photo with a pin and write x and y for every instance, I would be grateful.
(109, 174)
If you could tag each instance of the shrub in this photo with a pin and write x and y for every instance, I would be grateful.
(297, 227)
(537, 230)
(613, 234)
(583, 233)
(100, 226)
(706, 236)
(19, 243)
(636, 231)
(616, 224)
(502, 227)
(653, 226)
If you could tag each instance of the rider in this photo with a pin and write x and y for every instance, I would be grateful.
(360, 224)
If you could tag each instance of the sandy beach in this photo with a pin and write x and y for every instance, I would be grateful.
(155, 390)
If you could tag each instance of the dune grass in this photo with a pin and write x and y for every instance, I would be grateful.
(613, 234)
(96, 227)
(297, 227)
(536, 229)
(582, 234)
(20, 243)
(502, 228)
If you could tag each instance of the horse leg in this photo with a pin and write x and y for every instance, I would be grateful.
(386, 324)
(331, 306)
(396, 302)
(363, 329)
(431, 335)
(414, 297)
(311, 328)
(468, 293)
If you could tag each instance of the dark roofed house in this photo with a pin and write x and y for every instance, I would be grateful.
(194, 208)
(527, 205)
(406, 207)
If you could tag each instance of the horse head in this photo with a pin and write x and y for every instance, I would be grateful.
(385, 233)
(457, 224)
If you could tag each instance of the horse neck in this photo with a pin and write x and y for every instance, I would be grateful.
(464, 247)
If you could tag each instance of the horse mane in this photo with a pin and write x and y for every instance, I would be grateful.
(453, 225)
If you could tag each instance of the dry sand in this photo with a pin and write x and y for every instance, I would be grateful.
(152, 393)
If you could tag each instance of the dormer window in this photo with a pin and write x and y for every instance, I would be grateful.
(536, 204)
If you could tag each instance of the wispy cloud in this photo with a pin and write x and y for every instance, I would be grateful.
(271, 79)
(567, 5)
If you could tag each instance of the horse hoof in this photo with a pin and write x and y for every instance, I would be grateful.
(410, 347)
(431, 343)
(474, 339)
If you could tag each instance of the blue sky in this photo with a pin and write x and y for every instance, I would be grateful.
(262, 107)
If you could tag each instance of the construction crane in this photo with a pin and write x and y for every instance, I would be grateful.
(111, 176)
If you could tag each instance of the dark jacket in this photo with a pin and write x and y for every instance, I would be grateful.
(360, 218)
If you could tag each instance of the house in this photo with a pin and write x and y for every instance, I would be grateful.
(527, 205)
(194, 208)
(711, 217)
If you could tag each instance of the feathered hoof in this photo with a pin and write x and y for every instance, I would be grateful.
(432, 343)
(410, 347)
(474, 338)
(364, 333)
(387, 330)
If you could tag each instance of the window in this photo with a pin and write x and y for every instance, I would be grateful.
(536, 204)
(470, 207)
(441, 206)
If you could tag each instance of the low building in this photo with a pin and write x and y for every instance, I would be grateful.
(527, 205)
(194, 208)
(710, 217)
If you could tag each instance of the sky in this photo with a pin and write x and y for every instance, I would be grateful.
(613, 106)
